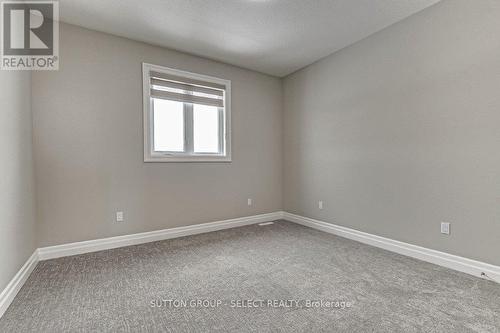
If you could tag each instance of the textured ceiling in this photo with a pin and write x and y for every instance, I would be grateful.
(276, 37)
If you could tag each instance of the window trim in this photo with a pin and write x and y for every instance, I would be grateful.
(149, 154)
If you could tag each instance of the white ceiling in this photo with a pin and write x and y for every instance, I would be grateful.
(276, 37)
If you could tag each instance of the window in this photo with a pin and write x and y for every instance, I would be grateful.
(187, 116)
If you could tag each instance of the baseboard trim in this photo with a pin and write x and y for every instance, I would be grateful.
(58, 251)
(447, 260)
(10, 292)
(454, 262)
(64, 250)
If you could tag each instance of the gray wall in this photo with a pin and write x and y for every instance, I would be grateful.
(17, 228)
(400, 131)
(89, 145)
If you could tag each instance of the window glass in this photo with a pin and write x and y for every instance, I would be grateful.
(206, 129)
(168, 120)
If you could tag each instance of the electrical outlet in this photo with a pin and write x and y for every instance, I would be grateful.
(249, 202)
(445, 228)
(119, 217)
(320, 204)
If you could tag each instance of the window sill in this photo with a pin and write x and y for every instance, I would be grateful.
(187, 159)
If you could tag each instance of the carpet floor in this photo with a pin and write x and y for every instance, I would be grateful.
(278, 278)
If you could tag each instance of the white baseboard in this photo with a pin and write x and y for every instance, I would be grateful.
(8, 294)
(447, 260)
(461, 264)
(70, 249)
(51, 252)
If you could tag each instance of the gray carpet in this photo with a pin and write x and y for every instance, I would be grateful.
(372, 290)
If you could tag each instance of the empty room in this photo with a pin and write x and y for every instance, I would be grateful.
(250, 166)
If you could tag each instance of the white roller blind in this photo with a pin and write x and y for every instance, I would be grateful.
(174, 88)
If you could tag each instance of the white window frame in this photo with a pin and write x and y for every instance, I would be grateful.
(225, 135)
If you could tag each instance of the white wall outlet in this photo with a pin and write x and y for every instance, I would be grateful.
(445, 228)
(119, 217)
(320, 204)
(249, 201)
